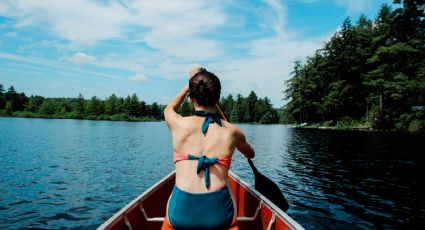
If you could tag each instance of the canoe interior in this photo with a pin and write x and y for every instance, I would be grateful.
(155, 200)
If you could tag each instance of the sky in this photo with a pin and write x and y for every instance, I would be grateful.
(62, 48)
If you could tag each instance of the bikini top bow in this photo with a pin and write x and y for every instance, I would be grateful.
(203, 165)
(209, 118)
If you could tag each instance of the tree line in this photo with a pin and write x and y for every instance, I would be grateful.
(129, 108)
(250, 109)
(370, 72)
(239, 110)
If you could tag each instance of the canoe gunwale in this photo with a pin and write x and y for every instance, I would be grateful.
(277, 212)
(285, 218)
(138, 199)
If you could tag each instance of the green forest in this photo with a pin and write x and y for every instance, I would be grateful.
(370, 73)
(112, 108)
(250, 109)
(12, 103)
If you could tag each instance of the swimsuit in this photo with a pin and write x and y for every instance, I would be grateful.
(209, 118)
(203, 163)
(213, 210)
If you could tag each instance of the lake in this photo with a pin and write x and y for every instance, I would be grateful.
(76, 174)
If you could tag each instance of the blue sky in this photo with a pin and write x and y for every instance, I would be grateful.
(62, 48)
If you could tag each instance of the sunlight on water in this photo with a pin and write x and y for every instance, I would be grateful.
(76, 174)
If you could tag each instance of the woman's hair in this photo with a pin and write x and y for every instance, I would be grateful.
(205, 88)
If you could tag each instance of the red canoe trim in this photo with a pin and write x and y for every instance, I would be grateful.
(271, 216)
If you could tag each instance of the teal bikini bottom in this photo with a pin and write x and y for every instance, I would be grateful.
(213, 210)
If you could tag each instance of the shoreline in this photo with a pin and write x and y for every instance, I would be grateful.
(359, 128)
(318, 126)
(88, 118)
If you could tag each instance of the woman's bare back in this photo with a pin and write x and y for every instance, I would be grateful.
(218, 141)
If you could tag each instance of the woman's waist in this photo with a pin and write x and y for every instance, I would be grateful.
(221, 191)
(189, 181)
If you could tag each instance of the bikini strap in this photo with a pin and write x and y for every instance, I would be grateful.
(209, 118)
(203, 165)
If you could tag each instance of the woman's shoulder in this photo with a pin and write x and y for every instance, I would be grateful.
(231, 127)
(186, 122)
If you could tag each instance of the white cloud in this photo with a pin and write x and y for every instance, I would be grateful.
(355, 6)
(12, 34)
(174, 27)
(138, 78)
(82, 58)
(266, 69)
(80, 21)
(170, 37)
(29, 62)
(178, 27)
(280, 16)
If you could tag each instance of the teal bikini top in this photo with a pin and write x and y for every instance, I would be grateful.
(204, 165)
(209, 118)
(205, 162)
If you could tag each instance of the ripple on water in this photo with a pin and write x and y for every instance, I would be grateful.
(97, 199)
(80, 210)
(59, 182)
(61, 216)
(20, 202)
(76, 174)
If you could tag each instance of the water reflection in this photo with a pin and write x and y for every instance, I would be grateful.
(358, 178)
(76, 174)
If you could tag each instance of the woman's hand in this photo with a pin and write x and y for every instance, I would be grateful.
(195, 70)
(186, 88)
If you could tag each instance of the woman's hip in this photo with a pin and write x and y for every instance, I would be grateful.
(213, 210)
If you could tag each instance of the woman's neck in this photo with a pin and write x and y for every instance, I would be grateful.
(205, 108)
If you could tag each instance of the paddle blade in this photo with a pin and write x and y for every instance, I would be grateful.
(269, 189)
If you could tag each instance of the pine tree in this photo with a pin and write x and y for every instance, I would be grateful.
(48, 107)
(227, 105)
(111, 105)
(34, 103)
(95, 107)
(370, 68)
(155, 112)
(235, 114)
(79, 107)
(2, 99)
(185, 109)
(17, 100)
(8, 108)
(134, 107)
(251, 100)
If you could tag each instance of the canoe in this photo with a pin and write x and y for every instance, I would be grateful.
(147, 211)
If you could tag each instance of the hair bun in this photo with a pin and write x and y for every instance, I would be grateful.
(205, 87)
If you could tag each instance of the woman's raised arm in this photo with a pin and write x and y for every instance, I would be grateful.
(170, 113)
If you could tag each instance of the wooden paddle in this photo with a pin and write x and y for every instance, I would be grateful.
(264, 185)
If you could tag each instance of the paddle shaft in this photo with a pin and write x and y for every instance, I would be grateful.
(220, 110)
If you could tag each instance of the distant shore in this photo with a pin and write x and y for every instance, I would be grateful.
(116, 117)
(125, 117)
(319, 126)
(354, 127)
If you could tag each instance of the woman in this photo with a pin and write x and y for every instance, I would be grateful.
(203, 148)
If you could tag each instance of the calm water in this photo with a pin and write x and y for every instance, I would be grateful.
(76, 174)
